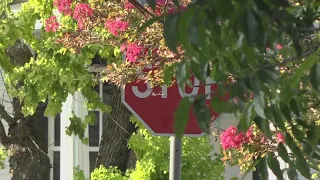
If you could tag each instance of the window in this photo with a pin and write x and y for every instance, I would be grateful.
(95, 132)
(94, 137)
(54, 146)
(54, 140)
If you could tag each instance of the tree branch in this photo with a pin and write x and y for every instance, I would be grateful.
(3, 135)
(308, 29)
(303, 55)
(5, 116)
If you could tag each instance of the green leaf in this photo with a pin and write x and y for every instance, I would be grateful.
(224, 8)
(150, 22)
(267, 76)
(292, 173)
(283, 153)
(295, 107)
(245, 122)
(152, 4)
(313, 134)
(170, 34)
(253, 28)
(262, 169)
(182, 74)
(202, 112)
(258, 103)
(181, 116)
(222, 106)
(298, 134)
(274, 165)
(285, 109)
(292, 145)
(314, 76)
(184, 23)
(305, 66)
(278, 119)
(303, 167)
(199, 69)
(176, 2)
(263, 124)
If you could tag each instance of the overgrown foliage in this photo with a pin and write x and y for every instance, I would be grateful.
(239, 39)
(264, 54)
(152, 152)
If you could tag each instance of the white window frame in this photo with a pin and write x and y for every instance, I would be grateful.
(51, 125)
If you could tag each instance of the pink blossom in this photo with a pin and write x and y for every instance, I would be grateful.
(123, 47)
(116, 26)
(132, 51)
(249, 134)
(82, 11)
(80, 23)
(161, 3)
(129, 6)
(175, 9)
(52, 24)
(280, 138)
(279, 46)
(230, 138)
(64, 6)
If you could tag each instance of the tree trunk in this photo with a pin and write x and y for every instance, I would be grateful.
(117, 130)
(26, 146)
(26, 140)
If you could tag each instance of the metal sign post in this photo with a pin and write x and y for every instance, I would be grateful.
(175, 158)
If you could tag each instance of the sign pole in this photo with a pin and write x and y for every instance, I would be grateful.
(175, 158)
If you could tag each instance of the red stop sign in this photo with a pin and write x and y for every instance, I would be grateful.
(155, 107)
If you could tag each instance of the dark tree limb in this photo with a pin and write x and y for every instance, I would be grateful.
(5, 116)
(3, 135)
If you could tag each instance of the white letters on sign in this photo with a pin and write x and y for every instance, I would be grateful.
(164, 90)
(142, 95)
(195, 89)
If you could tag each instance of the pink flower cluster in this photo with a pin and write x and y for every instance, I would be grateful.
(81, 12)
(116, 26)
(64, 6)
(161, 3)
(128, 6)
(231, 139)
(132, 51)
(52, 24)
(280, 138)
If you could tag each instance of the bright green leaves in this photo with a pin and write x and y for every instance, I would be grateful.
(181, 116)
(78, 126)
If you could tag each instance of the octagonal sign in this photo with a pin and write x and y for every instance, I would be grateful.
(155, 107)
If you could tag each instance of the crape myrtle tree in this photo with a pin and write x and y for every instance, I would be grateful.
(39, 82)
(262, 54)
